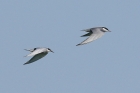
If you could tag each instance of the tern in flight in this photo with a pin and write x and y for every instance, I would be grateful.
(37, 54)
(93, 33)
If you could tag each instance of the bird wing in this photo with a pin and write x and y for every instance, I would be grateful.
(36, 57)
(95, 35)
(88, 34)
(38, 51)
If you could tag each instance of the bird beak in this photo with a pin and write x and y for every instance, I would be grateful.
(109, 30)
(51, 51)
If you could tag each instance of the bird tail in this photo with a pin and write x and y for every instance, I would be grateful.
(27, 49)
(87, 30)
(77, 44)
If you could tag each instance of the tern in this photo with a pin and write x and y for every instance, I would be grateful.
(37, 54)
(93, 33)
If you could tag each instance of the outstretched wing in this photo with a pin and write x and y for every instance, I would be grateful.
(88, 34)
(35, 52)
(36, 57)
(95, 35)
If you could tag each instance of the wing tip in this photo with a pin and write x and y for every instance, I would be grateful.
(82, 36)
(24, 63)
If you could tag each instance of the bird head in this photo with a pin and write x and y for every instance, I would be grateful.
(104, 29)
(49, 50)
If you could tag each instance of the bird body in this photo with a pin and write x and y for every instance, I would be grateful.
(93, 33)
(37, 54)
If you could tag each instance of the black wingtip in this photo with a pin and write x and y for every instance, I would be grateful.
(24, 63)
(83, 36)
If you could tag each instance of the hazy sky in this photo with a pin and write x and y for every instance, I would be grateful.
(108, 65)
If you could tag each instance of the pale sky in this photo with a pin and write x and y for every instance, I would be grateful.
(108, 65)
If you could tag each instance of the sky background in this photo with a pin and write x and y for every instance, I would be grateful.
(108, 65)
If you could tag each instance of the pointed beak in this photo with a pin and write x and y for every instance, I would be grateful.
(51, 51)
(109, 30)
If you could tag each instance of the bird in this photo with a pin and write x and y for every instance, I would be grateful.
(37, 54)
(93, 33)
